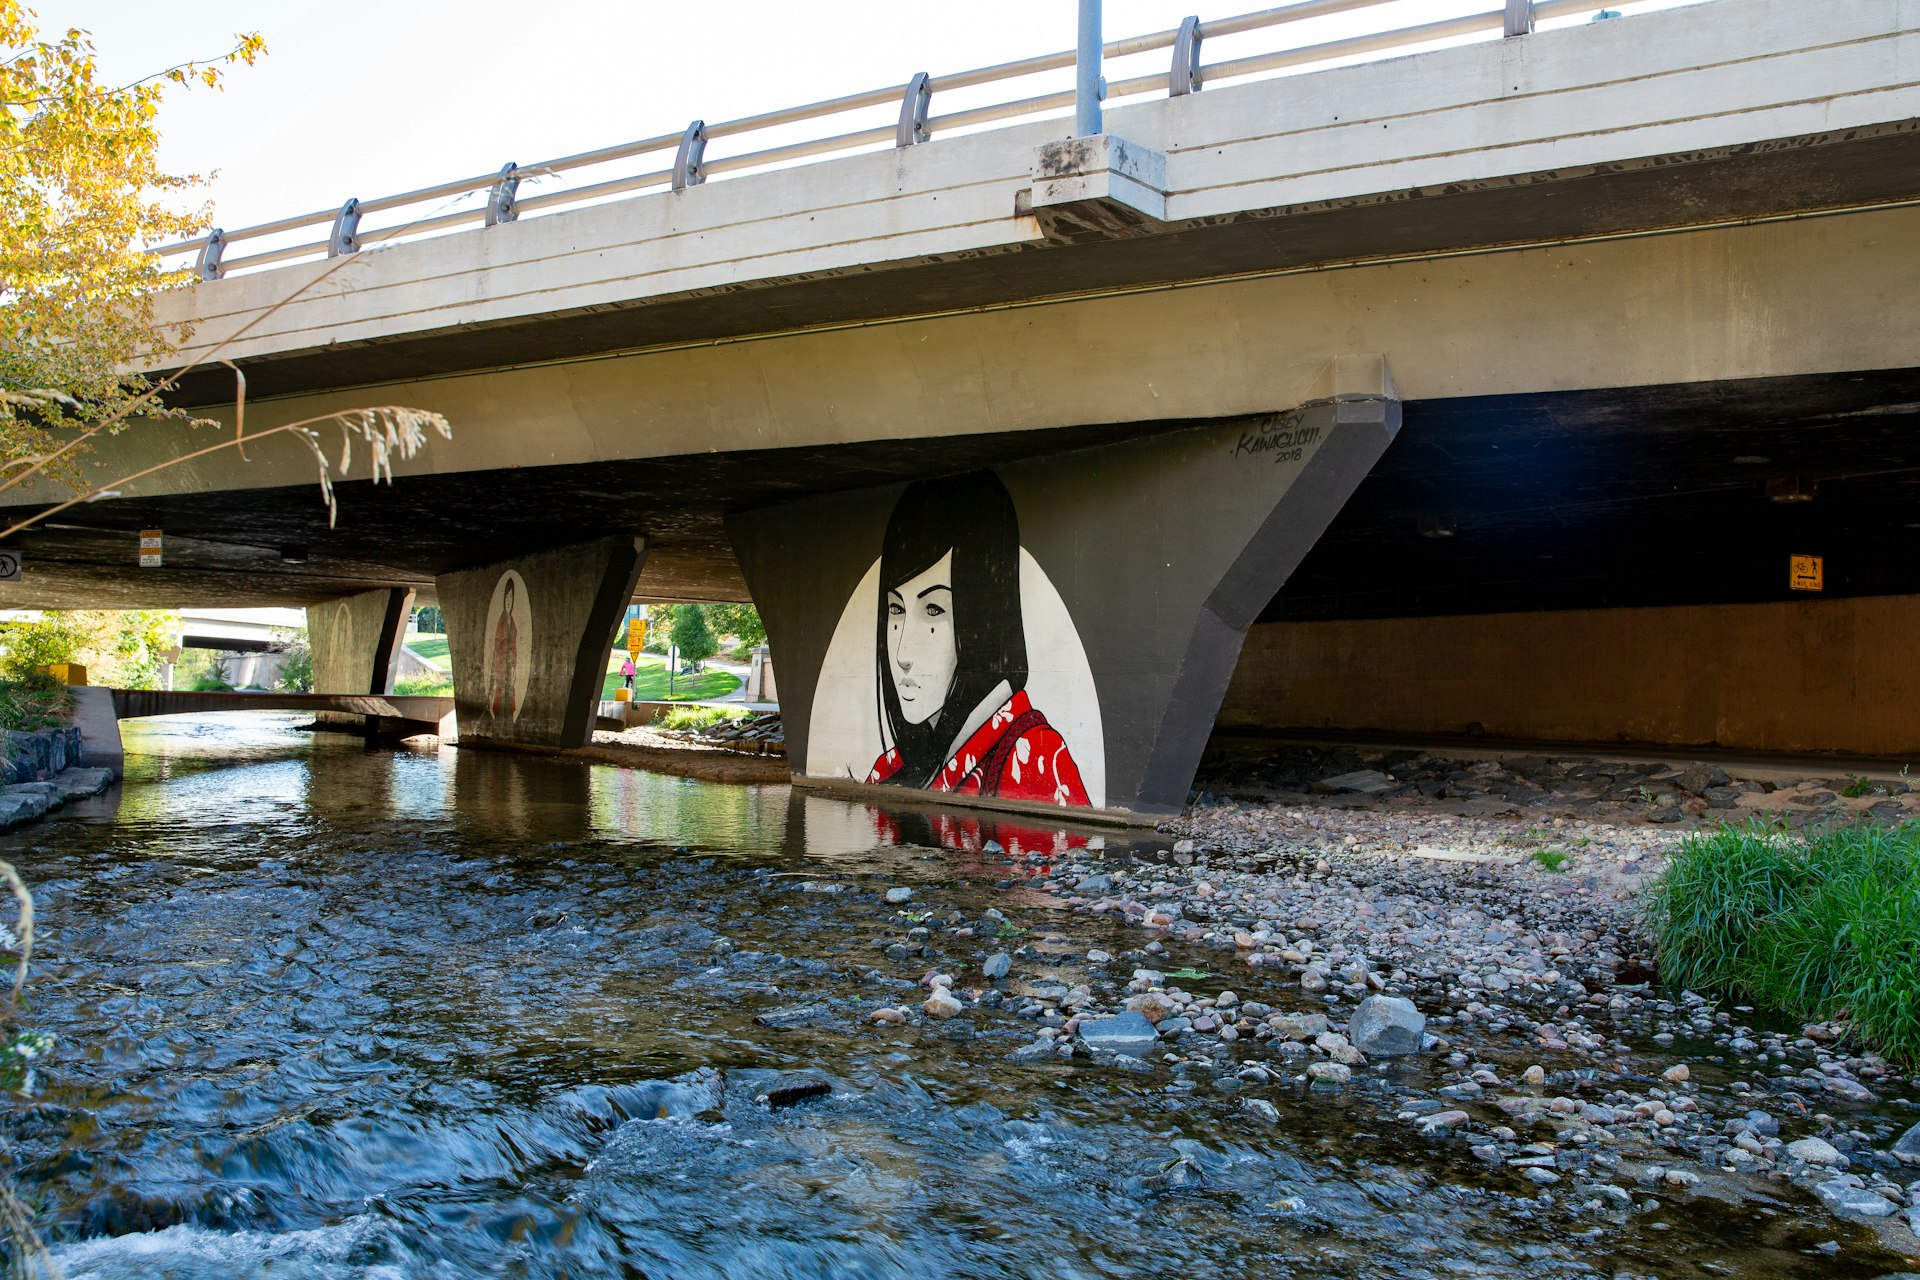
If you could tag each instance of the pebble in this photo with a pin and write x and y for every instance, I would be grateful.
(1420, 892)
(941, 1004)
(898, 895)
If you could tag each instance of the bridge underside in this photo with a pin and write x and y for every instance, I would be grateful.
(1638, 496)
(1602, 535)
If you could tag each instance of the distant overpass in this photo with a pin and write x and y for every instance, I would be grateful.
(1622, 313)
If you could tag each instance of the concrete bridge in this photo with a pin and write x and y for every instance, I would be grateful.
(1575, 337)
(398, 713)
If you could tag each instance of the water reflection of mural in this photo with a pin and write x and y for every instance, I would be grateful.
(956, 667)
(508, 652)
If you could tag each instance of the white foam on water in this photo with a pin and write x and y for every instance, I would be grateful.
(197, 1253)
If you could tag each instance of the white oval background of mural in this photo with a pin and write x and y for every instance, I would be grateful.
(522, 651)
(843, 735)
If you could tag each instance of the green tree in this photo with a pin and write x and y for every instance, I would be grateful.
(660, 627)
(55, 636)
(81, 192)
(741, 621)
(691, 635)
(118, 647)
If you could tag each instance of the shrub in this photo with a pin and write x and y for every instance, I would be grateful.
(296, 662)
(693, 719)
(424, 686)
(1822, 927)
(213, 677)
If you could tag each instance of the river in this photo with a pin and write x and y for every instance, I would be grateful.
(330, 1011)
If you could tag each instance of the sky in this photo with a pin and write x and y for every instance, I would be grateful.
(371, 99)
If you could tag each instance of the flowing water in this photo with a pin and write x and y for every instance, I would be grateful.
(327, 1011)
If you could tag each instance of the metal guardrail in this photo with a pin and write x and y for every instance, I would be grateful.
(689, 165)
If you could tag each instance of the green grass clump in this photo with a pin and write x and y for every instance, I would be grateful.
(1821, 927)
(424, 685)
(34, 702)
(694, 719)
(1551, 859)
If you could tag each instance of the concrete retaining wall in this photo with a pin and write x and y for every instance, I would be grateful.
(1819, 675)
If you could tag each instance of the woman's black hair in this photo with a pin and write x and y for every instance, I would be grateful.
(972, 516)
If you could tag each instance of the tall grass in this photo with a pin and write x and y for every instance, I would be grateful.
(1821, 927)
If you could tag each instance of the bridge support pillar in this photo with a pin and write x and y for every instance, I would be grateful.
(1059, 630)
(354, 641)
(530, 637)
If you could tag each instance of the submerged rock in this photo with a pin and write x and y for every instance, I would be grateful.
(1853, 1202)
(1127, 1033)
(794, 1087)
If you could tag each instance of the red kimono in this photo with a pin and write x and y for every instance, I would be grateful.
(1015, 755)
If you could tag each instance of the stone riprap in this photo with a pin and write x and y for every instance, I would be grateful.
(39, 755)
(24, 802)
(761, 734)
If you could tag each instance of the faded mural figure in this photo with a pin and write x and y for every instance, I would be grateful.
(950, 645)
(500, 700)
(509, 645)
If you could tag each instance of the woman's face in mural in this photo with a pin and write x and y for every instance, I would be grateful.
(920, 643)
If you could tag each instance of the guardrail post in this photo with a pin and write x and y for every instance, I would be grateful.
(500, 196)
(914, 105)
(346, 230)
(1519, 17)
(1086, 72)
(1185, 76)
(686, 162)
(207, 265)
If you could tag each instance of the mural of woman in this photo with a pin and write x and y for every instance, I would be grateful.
(502, 688)
(951, 651)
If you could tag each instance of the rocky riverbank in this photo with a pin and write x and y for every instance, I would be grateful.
(1481, 978)
(41, 772)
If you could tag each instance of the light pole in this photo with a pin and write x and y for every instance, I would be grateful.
(1086, 73)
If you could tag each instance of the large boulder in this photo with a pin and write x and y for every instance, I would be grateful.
(1386, 1027)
